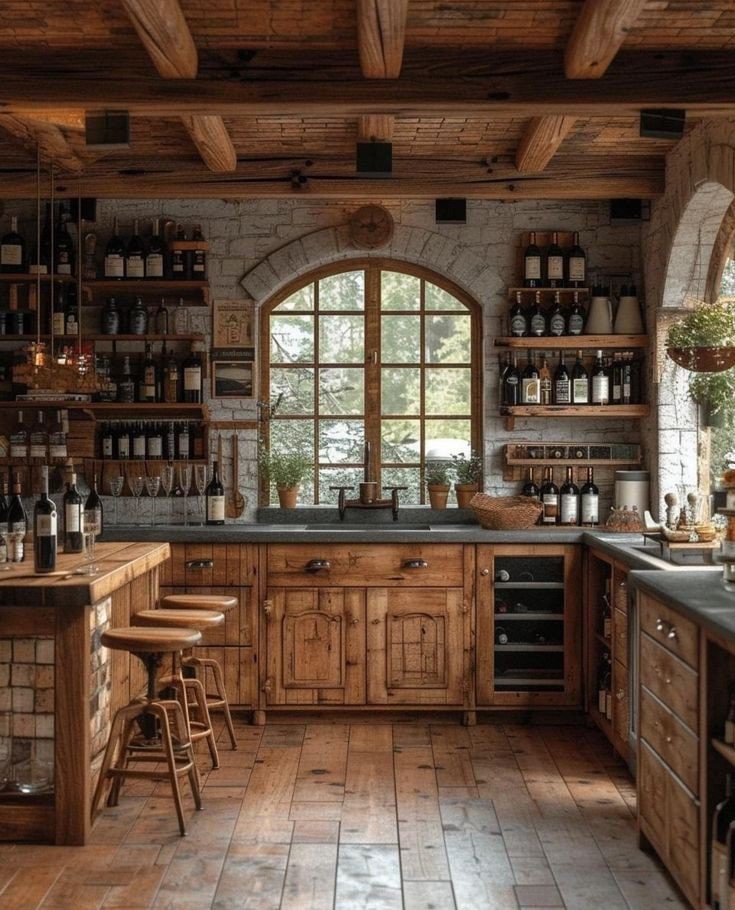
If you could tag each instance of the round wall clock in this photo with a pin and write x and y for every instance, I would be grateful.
(371, 227)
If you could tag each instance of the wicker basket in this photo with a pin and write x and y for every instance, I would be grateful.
(505, 513)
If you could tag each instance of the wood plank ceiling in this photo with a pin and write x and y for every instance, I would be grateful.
(480, 98)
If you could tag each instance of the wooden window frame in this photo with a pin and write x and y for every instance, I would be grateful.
(373, 268)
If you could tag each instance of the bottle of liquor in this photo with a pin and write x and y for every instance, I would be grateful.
(538, 323)
(183, 442)
(198, 256)
(545, 381)
(12, 250)
(107, 441)
(39, 439)
(71, 312)
(576, 266)
(135, 254)
(501, 636)
(170, 376)
(115, 253)
(124, 444)
(64, 259)
(57, 447)
(154, 441)
(169, 442)
(193, 378)
(44, 529)
(155, 260)
(562, 383)
(504, 364)
(590, 501)
(215, 499)
(17, 524)
(73, 518)
(19, 439)
(530, 382)
(557, 319)
(512, 385)
(606, 612)
(530, 489)
(569, 495)
(126, 383)
(110, 318)
(58, 317)
(139, 441)
(518, 321)
(616, 379)
(532, 263)
(603, 683)
(93, 514)
(196, 434)
(555, 263)
(580, 382)
(600, 381)
(722, 821)
(179, 259)
(4, 556)
(575, 324)
(148, 382)
(138, 318)
(549, 499)
(162, 318)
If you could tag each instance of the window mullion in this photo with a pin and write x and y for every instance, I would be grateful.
(372, 369)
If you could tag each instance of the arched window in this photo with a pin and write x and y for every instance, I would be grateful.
(372, 352)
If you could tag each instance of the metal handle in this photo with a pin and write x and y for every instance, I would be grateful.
(659, 624)
(484, 572)
(353, 620)
(317, 565)
(267, 685)
(415, 564)
(200, 564)
(672, 633)
(268, 608)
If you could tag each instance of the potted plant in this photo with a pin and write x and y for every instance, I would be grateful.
(285, 471)
(468, 471)
(437, 483)
(704, 340)
(715, 394)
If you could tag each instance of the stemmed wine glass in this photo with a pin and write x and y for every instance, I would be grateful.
(136, 484)
(153, 485)
(200, 482)
(116, 487)
(92, 524)
(167, 482)
(185, 484)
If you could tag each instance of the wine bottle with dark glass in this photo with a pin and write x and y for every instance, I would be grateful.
(71, 312)
(12, 250)
(64, 259)
(569, 496)
(135, 254)
(198, 256)
(58, 316)
(93, 512)
(110, 318)
(549, 499)
(161, 318)
(148, 381)
(73, 518)
(576, 266)
(39, 439)
(115, 253)
(501, 636)
(575, 323)
(57, 445)
(155, 260)
(530, 488)
(538, 323)
(554, 263)
(532, 263)
(44, 528)
(590, 501)
(19, 439)
(600, 381)
(512, 385)
(17, 524)
(557, 318)
(519, 327)
(580, 382)
(530, 382)
(545, 381)
(215, 499)
(193, 378)
(562, 383)
(179, 258)
(138, 318)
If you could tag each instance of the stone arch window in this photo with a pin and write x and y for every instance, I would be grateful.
(372, 350)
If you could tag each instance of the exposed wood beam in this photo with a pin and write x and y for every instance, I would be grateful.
(375, 128)
(47, 137)
(381, 36)
(539, 143)
(597, 36)
(162, 28)
(69, 120)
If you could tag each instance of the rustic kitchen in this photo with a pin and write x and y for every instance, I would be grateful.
(367, 454)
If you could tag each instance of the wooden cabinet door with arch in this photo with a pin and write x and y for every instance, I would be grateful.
(315, 640)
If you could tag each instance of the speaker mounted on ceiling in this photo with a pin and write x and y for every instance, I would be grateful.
(666, 123)
(107, 130)
(375, 159)
(450, 211)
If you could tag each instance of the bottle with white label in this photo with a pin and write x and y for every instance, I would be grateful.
(590, 501)
(115, 254)
(19, 439)
(17, 524)
(44, 528)
(215, 499)
(39, 439)
(530, 382)
(57, 447)
(135, 254)
(600, 381)
(532, 263)
(549, 499)
(12, 250)
(555, 263)
(193, 378)
(576, 266)
(580, 382)
(569, 495)
(73, 521)
(575, 323)
(156, 256)
(518, 318)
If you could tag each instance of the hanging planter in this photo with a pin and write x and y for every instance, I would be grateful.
(704, 341)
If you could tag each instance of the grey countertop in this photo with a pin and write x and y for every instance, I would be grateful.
(697, 595)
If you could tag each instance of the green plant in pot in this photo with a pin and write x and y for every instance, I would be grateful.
(715, 394)
(438, 482)
(284, 470)
(704, 340)
(468, 471)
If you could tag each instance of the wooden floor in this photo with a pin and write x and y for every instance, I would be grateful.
(367, 815)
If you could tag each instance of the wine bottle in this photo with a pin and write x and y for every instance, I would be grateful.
(135, 254)
(616, 379)
(107, 440)
(58, 316)
(532, 263)
(504, 364)
(138, 318)
(44, 528)
(198, 256)
(39, 439)
(569, 495)
(539, 327)
(562, 383)
(502, 575)
(590, 501)
(530, 487)
(197, 440)
(154, 442)
(162, 318)
(549, 499)
(600, 381)
(580, 382)
(557, 319)
(181, 318)
(17, 524)
(71, 312)
(545, 381)
(73, 518)
(501, 636)
(170, 377)
(576, 266)
(123, 440)
(530, 383)
(722, 821)
(139, 441)
(518, 322)
(64, 259)
(126, 383)
(115, 253)
(19, 439)
(169, 442)
(148, 382)
(57, 447)
(575, 323)
(12, 250)
(93, 513)
(215, 499)
(183, 442)
(179, 259)
(193, 378)
(110, 318)
(512, 385)
(155, 260)
(43, 254)
(555, 263)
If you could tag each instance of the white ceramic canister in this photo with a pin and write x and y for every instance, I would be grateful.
(632, 488)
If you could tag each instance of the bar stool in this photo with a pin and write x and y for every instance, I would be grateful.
(163, 733)
(201, 620)
(200, 665)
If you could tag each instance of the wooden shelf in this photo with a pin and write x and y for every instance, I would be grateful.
(591, 412)
(574, 342)
(125, 410)
(529, 617)
(531, 585)
(45, 336)
(513, 291)
(522, 646)
(29, 278)
(141, 286)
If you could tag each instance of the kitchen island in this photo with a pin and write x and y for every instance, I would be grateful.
(59, 686)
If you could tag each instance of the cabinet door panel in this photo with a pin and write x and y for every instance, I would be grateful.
(415, 646)
(652, 793)
(683, 826)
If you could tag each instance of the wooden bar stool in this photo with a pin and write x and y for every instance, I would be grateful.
(192, 695)
(200, 665)
(163, 735)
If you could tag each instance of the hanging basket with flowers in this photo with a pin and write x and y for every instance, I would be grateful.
(704, 340)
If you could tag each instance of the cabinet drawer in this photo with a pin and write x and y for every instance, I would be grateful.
(668, 736)
(669, 679)
(199, 564)
(365, 565)
(667, 627)
(620, 634)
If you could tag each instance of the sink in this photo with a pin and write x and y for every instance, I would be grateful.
(346, 526)
(678, 557)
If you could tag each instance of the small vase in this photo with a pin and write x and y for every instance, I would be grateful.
(465, 492)
(287, 497)
(438, 495)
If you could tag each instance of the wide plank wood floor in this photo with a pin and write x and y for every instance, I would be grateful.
(385, 815)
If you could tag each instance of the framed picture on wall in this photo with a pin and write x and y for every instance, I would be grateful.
(232, 379)
(233, 324)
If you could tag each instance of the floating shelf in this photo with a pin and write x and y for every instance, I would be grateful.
(545, 290)
(529, 647)
(591, 412)
(131, 411)
(141, 286)
(531, 585)
(574, 342)
(29, 278)
(45, 336)
(530, 617)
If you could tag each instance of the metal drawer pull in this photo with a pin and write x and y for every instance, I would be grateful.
(200, 564)
(415, 564)
(317, 565)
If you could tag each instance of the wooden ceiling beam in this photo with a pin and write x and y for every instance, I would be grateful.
(381, 37)
(540, 141)
(209, 134)
(598, 35)
(47, 137)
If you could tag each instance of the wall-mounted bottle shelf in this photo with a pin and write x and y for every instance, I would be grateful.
(546, 290)
(195, 290)
(86, 336)
(575, 342)
(108, 410)
(590, 412)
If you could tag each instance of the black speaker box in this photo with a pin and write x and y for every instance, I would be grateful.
(667, 123)
(450, 211)
(108, 130)
(374, 159)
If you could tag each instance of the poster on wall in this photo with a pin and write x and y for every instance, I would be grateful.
(233, 324)
(233, 348)
(232, 379)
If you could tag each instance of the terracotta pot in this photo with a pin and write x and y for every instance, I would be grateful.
(287, 497)
(438, 495)
(465, 492)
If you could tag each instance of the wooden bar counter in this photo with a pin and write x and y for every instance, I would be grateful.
(58, 685)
